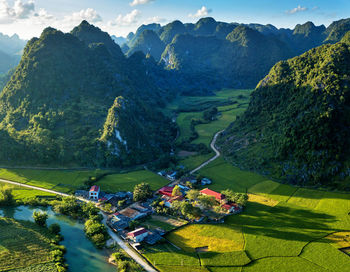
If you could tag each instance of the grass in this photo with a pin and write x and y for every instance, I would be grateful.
(325, 255)
(127, 181)
(230, 103)
(66, 181)
(23, 244)
(168, 255)
(164, 223)
(283, 264)
(235, 258)
(21, 193)
(283, 226)
(194, 161)
(218, 238)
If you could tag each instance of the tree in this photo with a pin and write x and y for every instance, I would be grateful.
(55, 228)
(207, 201)
(230, 195)
(89, 209)
(40, 218)
(177, 191)
(142, 191)
(6, 197)
(192, 194)
(239, 198)
(99, 240)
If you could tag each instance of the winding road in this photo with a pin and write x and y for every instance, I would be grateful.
(113, 235)
(217, 153)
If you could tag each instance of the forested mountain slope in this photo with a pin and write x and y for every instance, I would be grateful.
(202, 57)
(297, 125)
(72, 101)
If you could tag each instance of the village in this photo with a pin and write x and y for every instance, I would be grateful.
(144, 217)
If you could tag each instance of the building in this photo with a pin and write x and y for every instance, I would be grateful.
(132, 214)
(205, 181)
(219, 197)
(119, 222)
(138, 235)
(94, 192)
(169, 200)
(232, 208)
(171, 176)
(166, 190)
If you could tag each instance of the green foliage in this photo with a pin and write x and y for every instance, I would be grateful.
(192, 194)
(239, 198)
(177, 191)
(96, 231)
(40, 218)
(142, 191)
(54, 228)
(25, 246)
(207, 201)
(297, 126)
(6, 195)
(125, 263)
(64, 126)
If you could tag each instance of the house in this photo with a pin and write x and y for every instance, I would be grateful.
(206, 181)
(169, 200)
(166, 190)
(119, 222)
(219, 197)
(138, 235)
(232, 208)
(140, 208)
(161, 173)
(171, 175)
(153, 237)
(191, 179)
(132, 214)
(94, 192)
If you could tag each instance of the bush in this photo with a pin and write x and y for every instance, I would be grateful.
(55, 228)
(40, 218)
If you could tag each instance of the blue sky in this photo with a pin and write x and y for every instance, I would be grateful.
(28, 17)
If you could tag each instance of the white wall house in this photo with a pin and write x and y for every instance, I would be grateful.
(94, 192)
(138, 235)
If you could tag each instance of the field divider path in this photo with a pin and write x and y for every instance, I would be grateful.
(113, 235)
(217, 153)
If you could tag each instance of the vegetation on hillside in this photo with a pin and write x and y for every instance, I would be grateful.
(297, 123)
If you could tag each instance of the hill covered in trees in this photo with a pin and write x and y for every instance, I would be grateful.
(75, 99)
(297, 125)
(210, 54)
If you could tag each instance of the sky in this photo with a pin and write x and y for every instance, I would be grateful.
(28, 18)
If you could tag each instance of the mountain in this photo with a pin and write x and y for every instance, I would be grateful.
(337, 30)
(149, 43)
(219, 64)
(240, 60)
(72, 100)
(297, 125)
(7, 62)
(11, 45)
(119, 40)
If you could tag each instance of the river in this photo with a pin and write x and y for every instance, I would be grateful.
(81, 254)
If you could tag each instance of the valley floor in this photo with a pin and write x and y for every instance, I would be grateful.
(283, 228)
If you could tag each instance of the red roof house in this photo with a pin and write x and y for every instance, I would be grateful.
(138, 235)
(232, 208)
(167, 190)
(219, 197)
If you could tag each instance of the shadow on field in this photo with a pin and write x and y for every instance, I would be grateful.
(283, 222)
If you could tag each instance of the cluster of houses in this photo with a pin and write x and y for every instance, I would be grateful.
(167, 196)
(122, 216)
(95, 194)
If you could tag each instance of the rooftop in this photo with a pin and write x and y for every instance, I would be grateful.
(137, 232)
(209, 192)
(95, 188)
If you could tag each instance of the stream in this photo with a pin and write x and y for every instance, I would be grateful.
(81, 254)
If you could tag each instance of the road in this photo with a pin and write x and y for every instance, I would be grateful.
(113, 235)
(217, 153)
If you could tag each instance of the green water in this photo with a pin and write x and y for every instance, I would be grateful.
(81, 254)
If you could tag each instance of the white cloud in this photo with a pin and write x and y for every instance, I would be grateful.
(127, 19)
(155, 19)
(202, 12)
(297, 9)
(19, 10)
(140, 2)
(88, 14)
